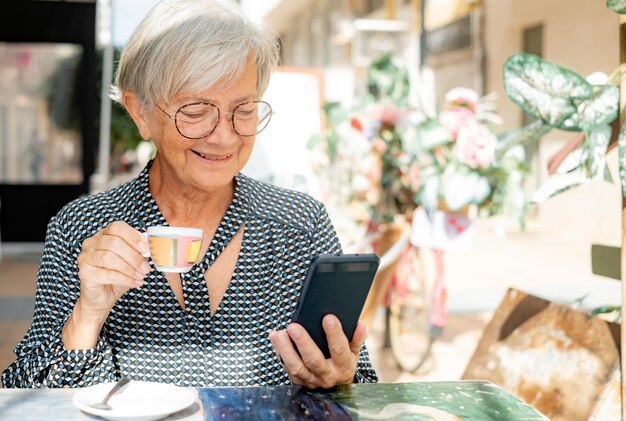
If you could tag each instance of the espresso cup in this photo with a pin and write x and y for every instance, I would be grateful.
(174, 249)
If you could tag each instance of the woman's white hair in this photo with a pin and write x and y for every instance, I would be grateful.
(190, 45)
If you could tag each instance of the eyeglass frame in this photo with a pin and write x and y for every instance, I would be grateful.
(219, 114)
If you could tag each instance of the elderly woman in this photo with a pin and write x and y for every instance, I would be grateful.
(191, 77)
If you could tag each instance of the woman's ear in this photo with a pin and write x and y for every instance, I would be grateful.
(138, 113)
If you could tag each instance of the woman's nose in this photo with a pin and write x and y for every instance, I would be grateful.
(224, 124)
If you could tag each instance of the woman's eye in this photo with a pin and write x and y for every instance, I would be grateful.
(193, 115)
(244, 113)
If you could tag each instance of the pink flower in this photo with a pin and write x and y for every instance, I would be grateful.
(476, 146)
(461, 97)
(455, 118)
(379, 146)
(389, 114)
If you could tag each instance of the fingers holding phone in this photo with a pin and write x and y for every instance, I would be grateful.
(313, 373)
(304, 361)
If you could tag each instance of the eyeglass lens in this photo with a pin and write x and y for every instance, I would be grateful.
(198, 120)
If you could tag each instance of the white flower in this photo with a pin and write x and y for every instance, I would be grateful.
(462, 97)
(476, 146)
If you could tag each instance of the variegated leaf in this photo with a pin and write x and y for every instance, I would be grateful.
(572, 161)
(601, 109)
(596, 143)
(429, 194)
(618, 6)
(544, 89)
(621, 146)
(559, 183)
(521, 136)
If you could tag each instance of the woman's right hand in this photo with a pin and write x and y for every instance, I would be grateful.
(110, 263)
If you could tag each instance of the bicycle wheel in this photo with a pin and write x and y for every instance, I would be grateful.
(409, 313)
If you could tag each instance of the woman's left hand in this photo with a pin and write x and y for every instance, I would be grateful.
(307, 366)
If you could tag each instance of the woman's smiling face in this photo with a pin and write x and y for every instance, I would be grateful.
(210, 163)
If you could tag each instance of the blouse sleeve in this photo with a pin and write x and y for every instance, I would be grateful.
(325, 241)
(41, 359)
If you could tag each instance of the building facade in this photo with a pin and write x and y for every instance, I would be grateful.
(466, 44)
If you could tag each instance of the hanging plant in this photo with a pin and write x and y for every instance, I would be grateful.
(561, 98)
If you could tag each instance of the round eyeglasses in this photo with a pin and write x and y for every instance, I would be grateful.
(199, 119)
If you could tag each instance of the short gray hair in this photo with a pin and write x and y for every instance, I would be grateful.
(190, 45)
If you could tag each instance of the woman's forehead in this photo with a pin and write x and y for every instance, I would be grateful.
(225, 91)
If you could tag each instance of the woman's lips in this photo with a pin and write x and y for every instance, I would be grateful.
(212, 157)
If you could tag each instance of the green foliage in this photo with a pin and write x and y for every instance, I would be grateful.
(618, 6)
(124, 133)
(386, 80)
(394, 157)
(62, 96)
(64, 104)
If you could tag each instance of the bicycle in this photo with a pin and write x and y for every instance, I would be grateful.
(415, 313)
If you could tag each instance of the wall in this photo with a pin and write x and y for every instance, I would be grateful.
(578, 34)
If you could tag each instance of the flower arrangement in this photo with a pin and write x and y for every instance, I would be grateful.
(385, 158)
(458, 154)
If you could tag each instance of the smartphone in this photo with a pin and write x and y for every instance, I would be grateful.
(335, 284)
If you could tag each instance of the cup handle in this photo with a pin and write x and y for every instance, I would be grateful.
(146, 253)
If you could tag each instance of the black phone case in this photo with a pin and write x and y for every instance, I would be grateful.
(335, 284)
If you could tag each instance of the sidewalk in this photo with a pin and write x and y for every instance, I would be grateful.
(17, 294)
(545, 261)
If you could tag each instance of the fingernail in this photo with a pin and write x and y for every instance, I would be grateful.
(143, 248)
(331, 322)
(145, 267)
(140, 275)
(139, 284)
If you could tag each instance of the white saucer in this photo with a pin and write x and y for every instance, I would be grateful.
(138, 401)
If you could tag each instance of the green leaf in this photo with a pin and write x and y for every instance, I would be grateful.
(597, 142)
(605, 310)
(429, 194)
(608, 177)
(618, 6)
(599, 110)
(544, 89)
(335, 113)
(521, 136)
(573, 161)
(314, 142)
(621, 146)
(385, 79)
(429, 135)
(559, 183)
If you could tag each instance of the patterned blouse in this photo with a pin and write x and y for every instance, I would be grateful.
(148, 336)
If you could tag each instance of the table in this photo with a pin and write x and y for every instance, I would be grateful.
(433, 401)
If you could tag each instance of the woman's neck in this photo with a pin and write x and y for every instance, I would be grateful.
(188, 206)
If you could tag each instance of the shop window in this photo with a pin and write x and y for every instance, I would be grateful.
(40, 140)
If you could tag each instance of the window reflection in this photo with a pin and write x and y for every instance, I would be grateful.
(40, 139)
